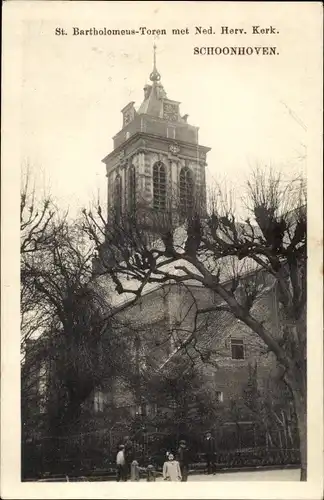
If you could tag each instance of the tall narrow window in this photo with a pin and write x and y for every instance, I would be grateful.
(117, 197)
(98, 401)
(42, 386)
(186, 190)
(131, 189)
(151, 409)
(173, 404)
(159, 186)
(219, 396)
(237, 348)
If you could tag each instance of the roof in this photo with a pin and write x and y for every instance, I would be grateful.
(225, 266)
(153, 101)
(155, 97)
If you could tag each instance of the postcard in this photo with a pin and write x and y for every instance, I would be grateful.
(162, 298)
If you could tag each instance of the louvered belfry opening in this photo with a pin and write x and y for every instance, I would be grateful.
(186, 190)
(131, 189)
(159, 186)
(118, 197)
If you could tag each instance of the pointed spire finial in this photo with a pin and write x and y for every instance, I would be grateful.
(155, 75)
(154, 56)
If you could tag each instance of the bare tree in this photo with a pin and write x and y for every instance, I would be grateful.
(36, 231)
(226, 256)
(70, 342)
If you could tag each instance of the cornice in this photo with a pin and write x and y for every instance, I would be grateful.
(165, 140)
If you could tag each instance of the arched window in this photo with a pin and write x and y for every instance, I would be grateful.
(117, 196)
(131, 189)
(186, 190)
(159, 186)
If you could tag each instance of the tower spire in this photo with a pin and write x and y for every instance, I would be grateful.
(155, 75)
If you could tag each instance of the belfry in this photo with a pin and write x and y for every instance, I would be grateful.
(156, 162)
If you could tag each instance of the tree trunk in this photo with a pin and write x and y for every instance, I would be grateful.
(63, 423)
(290, 435)
(280, 439)
(284, 429)
(300, 406)
(269, 439)
(297, 383)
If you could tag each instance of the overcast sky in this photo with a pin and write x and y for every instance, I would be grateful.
(250, 109)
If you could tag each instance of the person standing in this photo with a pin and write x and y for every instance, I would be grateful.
(183, 458)
(151, 473)
(210, 450)
(121, 464)
(171, 469)
(135, 471)
(129, 455)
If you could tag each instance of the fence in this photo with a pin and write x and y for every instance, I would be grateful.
(237, 446)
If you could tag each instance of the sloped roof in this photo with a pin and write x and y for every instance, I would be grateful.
(225, 265)
(153, 102)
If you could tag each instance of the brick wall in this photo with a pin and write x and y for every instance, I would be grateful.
(172, 308)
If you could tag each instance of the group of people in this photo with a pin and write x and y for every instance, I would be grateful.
(175, 467)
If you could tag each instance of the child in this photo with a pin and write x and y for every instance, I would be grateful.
(121, 464)
(151, 474)
(171, 469)
(150, 471)
(135, 471)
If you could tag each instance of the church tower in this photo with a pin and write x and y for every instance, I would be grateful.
(157, 164)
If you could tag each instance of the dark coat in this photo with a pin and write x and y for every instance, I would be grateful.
(183, 455)
(209, 446)
(129, 453)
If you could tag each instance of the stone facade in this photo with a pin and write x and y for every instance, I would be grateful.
(155, 133)
(164, 319)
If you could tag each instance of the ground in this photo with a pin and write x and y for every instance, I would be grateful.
(269, 475)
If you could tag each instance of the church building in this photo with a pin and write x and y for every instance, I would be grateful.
(157, 164)
(189, 372)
